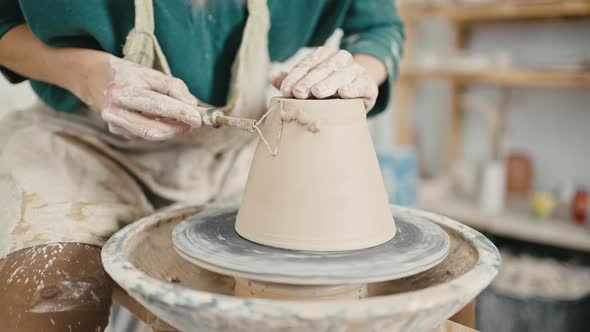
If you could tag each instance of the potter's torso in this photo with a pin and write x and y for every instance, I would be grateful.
(199, 38)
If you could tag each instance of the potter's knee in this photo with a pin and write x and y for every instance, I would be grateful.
(54, 287)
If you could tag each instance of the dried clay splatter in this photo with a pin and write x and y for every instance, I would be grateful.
(173, 279)
(300, 118)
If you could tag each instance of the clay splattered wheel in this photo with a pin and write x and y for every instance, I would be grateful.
(209, 240)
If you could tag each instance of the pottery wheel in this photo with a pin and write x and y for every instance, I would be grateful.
(209, 240)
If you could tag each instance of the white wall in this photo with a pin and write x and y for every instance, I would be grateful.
(551, 124)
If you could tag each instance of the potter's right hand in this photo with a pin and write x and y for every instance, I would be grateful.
(137, 101)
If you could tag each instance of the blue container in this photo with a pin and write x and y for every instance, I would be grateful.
(399, 167)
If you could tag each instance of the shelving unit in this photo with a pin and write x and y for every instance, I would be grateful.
(498, 11)
(503, 77)
(435, 195)
(462, 19)
(519, 226)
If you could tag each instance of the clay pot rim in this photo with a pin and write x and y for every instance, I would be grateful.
(313, 99)
(463, 288)
(324, 116)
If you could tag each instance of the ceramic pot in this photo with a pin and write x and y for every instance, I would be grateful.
(323, 190)
(519, 174)
(493, 187)
(580, 206)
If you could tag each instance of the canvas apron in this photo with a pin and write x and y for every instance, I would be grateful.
(65, 178)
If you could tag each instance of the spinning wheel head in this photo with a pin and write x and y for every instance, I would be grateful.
(209, 240)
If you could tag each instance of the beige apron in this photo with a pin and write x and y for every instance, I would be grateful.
(65, 178)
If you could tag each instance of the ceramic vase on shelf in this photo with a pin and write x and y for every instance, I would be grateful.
(579, 206)
(543, 205)
(465, 176)
(519, 174)
(493, 187)
(565, 193)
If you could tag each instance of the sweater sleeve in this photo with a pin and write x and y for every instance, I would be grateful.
(373, 27)
(10, 16)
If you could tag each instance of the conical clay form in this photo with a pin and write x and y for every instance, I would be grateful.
(323, 191)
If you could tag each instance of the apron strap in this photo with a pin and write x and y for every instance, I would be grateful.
(246, 96)
(249, 82)
(142, 46)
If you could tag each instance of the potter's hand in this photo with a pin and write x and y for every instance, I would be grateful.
(131, 98)
(324, 73)
(137, 101)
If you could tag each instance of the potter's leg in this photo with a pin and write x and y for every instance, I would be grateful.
(54, 287)
(61, 200)
(54, 188)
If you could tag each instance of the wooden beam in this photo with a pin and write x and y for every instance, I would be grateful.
(157, 325)
(499, 11)
(527, 78)
(402, 101)
(455, 137)
(403, 95)
(466, 316)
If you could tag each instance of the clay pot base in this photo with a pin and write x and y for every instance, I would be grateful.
(210, 241)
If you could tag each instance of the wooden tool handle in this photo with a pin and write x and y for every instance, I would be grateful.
(215, 118)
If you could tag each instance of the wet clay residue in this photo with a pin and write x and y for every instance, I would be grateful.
(301, 118)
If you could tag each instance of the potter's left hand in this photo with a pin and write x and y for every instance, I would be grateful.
(325, 73)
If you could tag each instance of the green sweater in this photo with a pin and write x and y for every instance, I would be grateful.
(201, 41)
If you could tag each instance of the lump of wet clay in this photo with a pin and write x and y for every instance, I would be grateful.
(301, 118)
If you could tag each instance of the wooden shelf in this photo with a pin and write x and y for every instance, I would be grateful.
(503, 77)
(558, 233)
(498, 11)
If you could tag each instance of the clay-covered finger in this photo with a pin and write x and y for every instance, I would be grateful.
(329, 86)
(362, 87)
(142, 126)
(278, 79)
(310, 61)
(138, 75)
(156, 104)
(171, 86)
(120, 131)
(302, 88)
